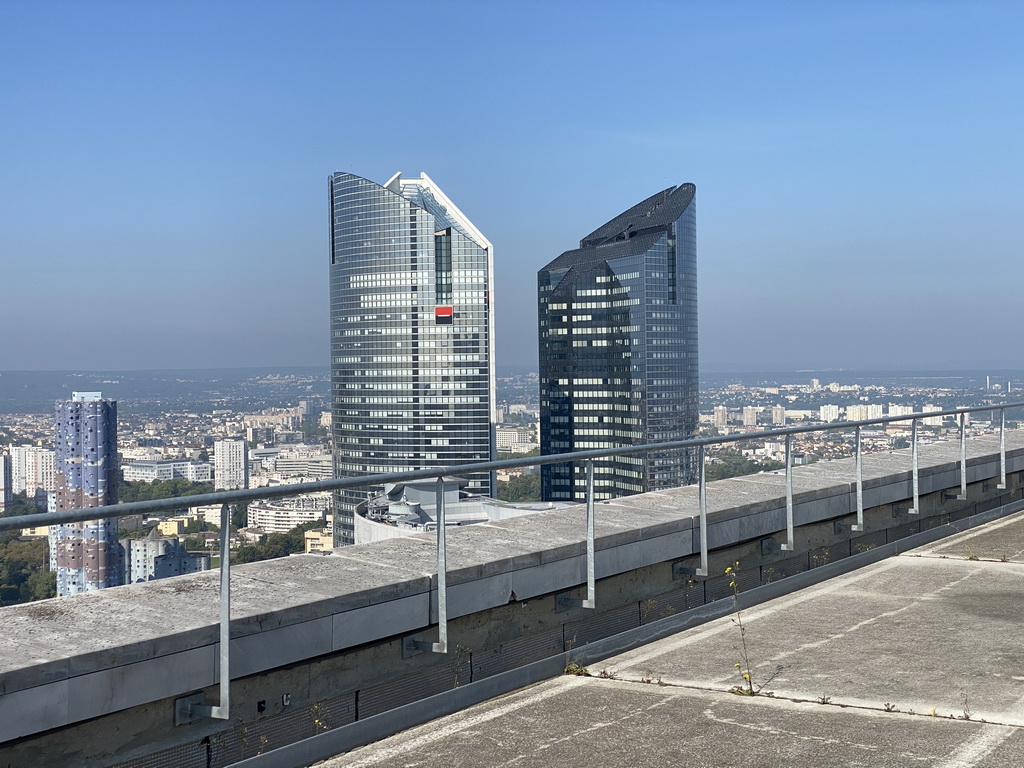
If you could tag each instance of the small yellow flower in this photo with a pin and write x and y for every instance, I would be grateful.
(729, 569)
(746, 676)
(737, 665)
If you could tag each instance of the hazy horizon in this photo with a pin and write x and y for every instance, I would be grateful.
(857, 168)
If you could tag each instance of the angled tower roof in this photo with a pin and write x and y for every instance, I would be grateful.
(425, 193)
(656, 212)
(632, 232)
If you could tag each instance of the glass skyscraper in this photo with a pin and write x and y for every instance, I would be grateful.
(412, 334)
(618, 349)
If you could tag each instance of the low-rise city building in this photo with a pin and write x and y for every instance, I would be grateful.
(281, 515)
(160, 557)
(319, 541)
(168, 469)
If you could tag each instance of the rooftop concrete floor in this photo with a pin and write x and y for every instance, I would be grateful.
(914, 661)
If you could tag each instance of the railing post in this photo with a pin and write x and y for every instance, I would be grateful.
(564, 601)
(442, 574)
(963, 457)
(859, 526)
(1002, 449)
(195, 709)
(702, 501)
(591, 585)
(441, 646)
(916, 509)
(789, 545)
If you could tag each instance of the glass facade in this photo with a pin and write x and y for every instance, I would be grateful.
(412, 342)
(618, 349)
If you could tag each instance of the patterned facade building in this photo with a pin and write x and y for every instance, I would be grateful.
(412, 335)
(86, 556)
(6, 493)
(618, 349)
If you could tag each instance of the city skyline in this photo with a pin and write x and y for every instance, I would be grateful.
(858, 166)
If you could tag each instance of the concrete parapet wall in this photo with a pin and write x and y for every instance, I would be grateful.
(317, 642)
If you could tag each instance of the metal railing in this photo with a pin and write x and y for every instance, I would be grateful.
(194, 709)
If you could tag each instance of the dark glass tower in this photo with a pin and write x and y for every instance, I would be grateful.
(412, 341)
(618, 349)
(87, 556)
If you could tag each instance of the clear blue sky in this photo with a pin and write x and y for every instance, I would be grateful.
(858, 165)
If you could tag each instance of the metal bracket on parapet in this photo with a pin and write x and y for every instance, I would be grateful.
(947, 496)
(413, 645)
(564, 601)
(898, 510)
(770, 545)
(681, 571)
(192, 709)
(839, 528)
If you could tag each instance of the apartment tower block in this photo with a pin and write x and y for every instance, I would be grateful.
(86, 556)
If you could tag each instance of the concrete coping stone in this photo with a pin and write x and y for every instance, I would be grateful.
(51, 640)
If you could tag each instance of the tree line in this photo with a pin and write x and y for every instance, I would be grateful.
(24, 570)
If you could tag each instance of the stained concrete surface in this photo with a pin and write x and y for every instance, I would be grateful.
(569, 722)
(914, 661)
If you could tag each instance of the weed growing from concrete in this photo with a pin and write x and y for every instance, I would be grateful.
(747, 687)
(824, 699)
(572, 668)
(318, 714)
(607, 674)
(889, 707)
(649, 678)
(970, 553)
(965, 703)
